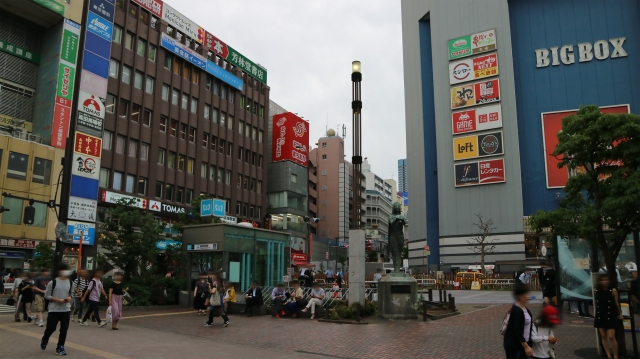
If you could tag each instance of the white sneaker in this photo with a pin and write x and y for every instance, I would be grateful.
(84, 323)
(102, 323)
(41, 324)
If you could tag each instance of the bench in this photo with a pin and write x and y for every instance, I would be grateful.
(237, 308)
(301, 314)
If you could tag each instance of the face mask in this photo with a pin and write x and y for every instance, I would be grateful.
(65, 273)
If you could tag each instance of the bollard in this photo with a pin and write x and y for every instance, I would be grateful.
(452, 303)
(430, 295)
(440, 295)
(445, 296)
(424, 311)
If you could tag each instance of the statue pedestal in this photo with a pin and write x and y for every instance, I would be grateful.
(397, 296)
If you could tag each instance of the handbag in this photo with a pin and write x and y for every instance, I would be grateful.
(505, 322)
(11, 301)
(109, 318)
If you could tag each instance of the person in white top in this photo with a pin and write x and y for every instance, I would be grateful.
(542, 334)
(525, 277)
(315, 298)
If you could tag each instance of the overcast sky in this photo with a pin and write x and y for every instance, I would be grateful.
(307, 48)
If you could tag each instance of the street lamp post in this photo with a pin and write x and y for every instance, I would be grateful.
(356, 159)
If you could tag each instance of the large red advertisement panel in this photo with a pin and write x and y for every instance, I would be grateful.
(551, 125)
(290, 141)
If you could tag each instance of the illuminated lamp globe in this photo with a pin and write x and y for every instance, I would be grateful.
(331, 132)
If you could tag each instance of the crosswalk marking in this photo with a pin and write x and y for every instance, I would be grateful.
(7, 308)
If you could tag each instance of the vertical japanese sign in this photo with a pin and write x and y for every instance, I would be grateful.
(66, 79)
(290, 141)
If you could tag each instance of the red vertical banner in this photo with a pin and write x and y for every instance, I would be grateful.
(60, 125)
(290, 141)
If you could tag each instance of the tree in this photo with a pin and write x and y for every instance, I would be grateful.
(372, 256)
(601, 199)
(130, 237)
(483, 242)
(44, 256)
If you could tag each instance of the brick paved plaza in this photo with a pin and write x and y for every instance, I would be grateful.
(173, 332)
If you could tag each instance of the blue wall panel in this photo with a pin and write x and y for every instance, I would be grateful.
(545, 23)
(430, 149)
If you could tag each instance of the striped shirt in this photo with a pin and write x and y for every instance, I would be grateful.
(81, 284)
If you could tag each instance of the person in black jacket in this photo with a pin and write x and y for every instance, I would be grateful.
(252, 297)
(517, 337)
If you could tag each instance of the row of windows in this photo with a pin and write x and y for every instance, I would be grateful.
(142, 48)
(138, 76)
(19, 163)
(135, 148)
(133, 11)
(248, 210)
(14, 216)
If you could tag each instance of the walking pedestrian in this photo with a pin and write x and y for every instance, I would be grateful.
(517, 336)
(2, 274)
(339, 278)
(329, 274)
(607, 314)
(58, 293)
(25, 291)
(201, 293)
(79, 287)
(40, 286)
(216, 307)
(542, 334)
(316, 298)
(116, 292)
(94, 289)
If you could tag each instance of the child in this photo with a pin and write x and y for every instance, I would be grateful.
(93, 292)
(115, 299)
(58, 293)
(541, 333)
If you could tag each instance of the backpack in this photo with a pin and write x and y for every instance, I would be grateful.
(53, 286)
(505, 322)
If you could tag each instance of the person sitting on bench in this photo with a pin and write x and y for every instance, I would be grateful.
(252, 297)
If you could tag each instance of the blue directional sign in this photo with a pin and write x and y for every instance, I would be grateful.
(219, 206)
(206, 208)
(86, 230)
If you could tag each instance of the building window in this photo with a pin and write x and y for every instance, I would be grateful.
(207, 85)
(117, 34)
(227, 177)
(104, 178)
(241, 103)
(41, 170)
(159, 187)
(222, 146)
(142, 186)
(144, 16)
(238, 205)
(259, 212)
(192, 135)
(129, 185)
(220, 174)
(181, 161)
(153, 50)
(111, 103)
(142, 47)
(128, 41)
(175, 94)
(324, 172)
(135, 112)
(133, 148)
(161, 154)
(251, 211)
(107, 139)
(194, 105)
(260, 161)
(324, 202)
(186, 70)
(259, 187)
(254, 134)
(144, 151)
(247, 131)
(146, 117)
(240, 152)
(173, 129)
(137, 81)
(149, 85)
(207, 110)
(239, 184)
(212, 172)
(203, 170)
(168, 191)
(154, 22)
(15, 215)
(132, 9)
(247, 155)
(224, 91)
(114, 68)
(189, 198)
(244, 209)
(214, 143)
(294, 178)
(324, 157)
(214, 115)
(253, 158)
(245, 182)
(171, 160)
(183, 131)
(121, 141)
(167, 61)
(163, 124)
(241, 127)
(117, 180)
(232, 95)
(205, 140)
(185, 101)
(260, 133)
(126, 74)
(216, 87)
(229, 149)
(177, 66)
(324, 188)
(190, 164)
(324, 144)
(165, 92)
(253, 185)
(194, 76)
(223, 119)
(230, 122)
(123, 111)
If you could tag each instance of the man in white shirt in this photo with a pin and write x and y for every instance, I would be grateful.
(316, 297)
(329, 274)
(525, 277)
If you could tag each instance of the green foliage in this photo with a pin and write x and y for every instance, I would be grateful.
(333, 315)
(130, 237)
(150, 290)
(322, 267)
(342, 260)
(601, 200)
(405, 252)
(372, 256)
(45, 259)
(346, 311)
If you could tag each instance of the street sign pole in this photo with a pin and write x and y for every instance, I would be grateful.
(80, 250)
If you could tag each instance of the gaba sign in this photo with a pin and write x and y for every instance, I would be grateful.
(290, 140)
(601, 50)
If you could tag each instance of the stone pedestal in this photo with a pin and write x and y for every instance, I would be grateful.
(397, 296)
(356, 266)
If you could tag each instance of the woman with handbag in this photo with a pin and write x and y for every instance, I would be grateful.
(201, 293)
(216, 307)
(542, 334)
(517, 335)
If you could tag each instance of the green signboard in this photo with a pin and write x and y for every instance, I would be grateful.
(69, 50)
(472, 44)
(52, 5)
(237, 59)
(19, 52)
(66, 75)
(460, 47)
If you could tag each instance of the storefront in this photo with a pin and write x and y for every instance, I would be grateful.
(239, 254)
(16, 253)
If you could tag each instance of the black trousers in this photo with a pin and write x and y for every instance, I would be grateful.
(278, 302)
(52, 322)
(249, 303)
(224, 316)
(94, 307)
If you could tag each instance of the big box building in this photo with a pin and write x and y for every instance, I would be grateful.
(487, 86)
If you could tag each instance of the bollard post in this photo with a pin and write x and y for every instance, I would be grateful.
(452, 303)
(445, 296)
(424, 311)
(440, 295)
(430, 295)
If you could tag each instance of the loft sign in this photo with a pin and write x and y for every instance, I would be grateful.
(601, 50)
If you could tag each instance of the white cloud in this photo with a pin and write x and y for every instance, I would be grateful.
(307, 48)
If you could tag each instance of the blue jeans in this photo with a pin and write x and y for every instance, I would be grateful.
(515, 353)
(291, 307)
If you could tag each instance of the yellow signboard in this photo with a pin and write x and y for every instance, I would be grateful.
(475, 285)
(465, 147)
(9, 121)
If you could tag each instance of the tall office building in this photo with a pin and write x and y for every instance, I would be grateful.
(402, 176)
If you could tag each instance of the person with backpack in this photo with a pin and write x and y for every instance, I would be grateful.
(79, 287)
(39, 287)
(58, 293)
(94, 289)
(542, 334)
(517, 333)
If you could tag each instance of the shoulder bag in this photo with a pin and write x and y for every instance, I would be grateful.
(505, 322)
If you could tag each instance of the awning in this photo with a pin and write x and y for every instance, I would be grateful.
(303, 264)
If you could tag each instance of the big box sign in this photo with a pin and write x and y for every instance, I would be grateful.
(290, 141)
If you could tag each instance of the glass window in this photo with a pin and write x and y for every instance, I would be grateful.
(116, 36)
(111, 103)
(253, 158)
(167, 61)
(245, 182)
(251, 211)
(161, 154)
(223, 118)
(144, 151)
(171, 161)
(224, 91)
(222, 146)
(137, 81)
(239, 184)
(194, 105)
(260, 133)
(128, 41)
(117, 180)
(216, 87)
(220, 174)
(153, 50)
(189, 195)
(229, 149)
(208, 83)
(194, 76)
(107, 139)
(183, 131)
(129, 185)
(177, 66)
(240, 152)
(175, 94)
(192, 134)
(203, 169)
(253, 185)
(190, 164)
(214, 143)
(133, 148)
(159, 187)
(324, 157)
(232, 95)
(261, 111)
(238, 205)
(227, 177)
(247, 155)
(154, 22)
(40, 215)
(126, 74)
(212, 172)
(259, 188)
(186, 70)
(14, 216)
(185, 101)
(294, 178)
(133, 9)
(254, 134)
(163, 124)
(120, 144)
(230, 122)
(181, 162)
(241, 127)
(241, 103)
(135, 112)
(144, 16)
(104, 178)
(259, 161)
(169, 192)
(207, 110)
(142, 47)
(41, 171)
(205, 140)
(146, 117)
(179, 194)
(114, 68)
(142, 186)
(149, 85)
(214, 115)
(247, 130)
(165, 92)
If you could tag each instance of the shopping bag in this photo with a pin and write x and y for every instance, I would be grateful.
(109, 317)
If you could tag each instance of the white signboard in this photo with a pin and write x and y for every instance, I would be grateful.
(86, 166)
(229, 219)
(91, 104)
(155, 206)
(112, 197)
(82, 209)
(180, 22)
(203, 247)
(477, 119)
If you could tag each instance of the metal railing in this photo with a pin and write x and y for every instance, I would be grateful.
(331, 296)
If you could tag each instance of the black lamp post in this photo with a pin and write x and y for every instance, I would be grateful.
(356, 159)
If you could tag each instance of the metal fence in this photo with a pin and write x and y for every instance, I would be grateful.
(331, 296)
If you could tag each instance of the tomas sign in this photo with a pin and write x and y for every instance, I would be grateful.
(290, 141)
(472, 44)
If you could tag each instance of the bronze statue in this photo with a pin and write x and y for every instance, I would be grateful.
(396, 235)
